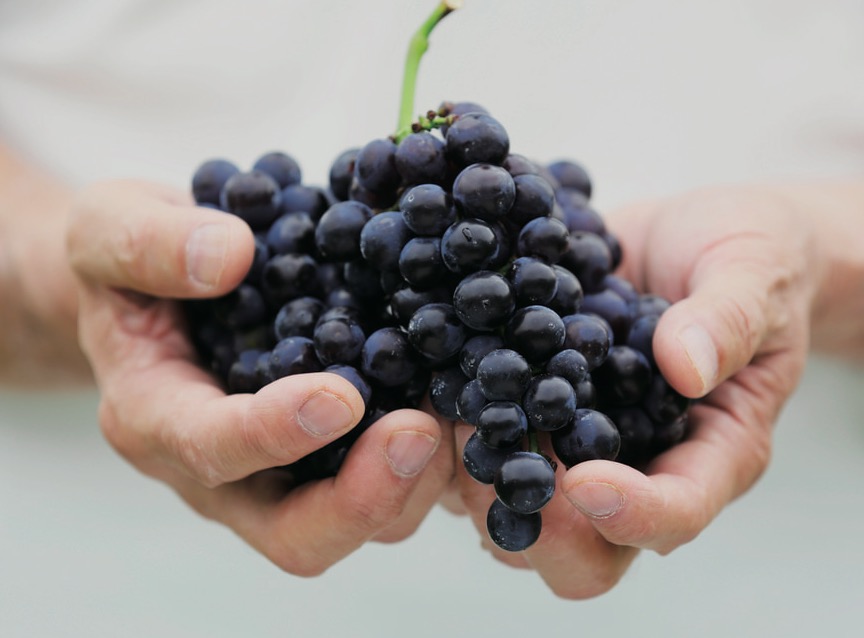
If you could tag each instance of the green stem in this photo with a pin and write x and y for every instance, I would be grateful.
(533, 443)
(417, 47)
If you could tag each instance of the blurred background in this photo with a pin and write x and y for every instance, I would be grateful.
(655, 98)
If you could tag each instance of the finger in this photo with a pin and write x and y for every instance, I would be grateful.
(732, 311)
(433, 482)
(687, 486)
(153, 240)
(320, 523)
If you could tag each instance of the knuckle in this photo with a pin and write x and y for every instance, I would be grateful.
(368, 516)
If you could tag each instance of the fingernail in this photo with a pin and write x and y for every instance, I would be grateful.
(206, 252)
(701, 352)
(597, 500)
(409, 452)
(324, 414)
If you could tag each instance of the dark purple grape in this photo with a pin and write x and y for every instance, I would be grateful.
(298, 317)
(534, 281)
(338, 341)
(549, 403)
(209, 180)
(342, 173)
(241, 308)
(636, 432)
(475, 138)
(582, 218)
(458, 108)
(261, 257)
(405, 301)
(570, 364)
(668, 434)
(262, 369)
(444, 391)
(281, 167)
(544, 237)
(353, 375)
(470, 401)
(525, 482)
(571, 175)
(588, 257)
(504, 375)
(468, 245)
(379, 200)
(483, 462)
(502, 424)
(649, 304)
(590, 436)
(609, 305)
(475, 349)
(517, 165)
(641, 336)
(337, 236)
(511, 531)
(621, 287)
(288, 276)
(254, 197)
(615, 249)
(534, 199)
(243, 377)
(662, 403)
(363, 280)
(568, 292)
(428, 210)
(375, 166)
(536, 332)
(484, 191)
(291, 233)
(388, 358)
(624, 377)
(342, 297)
(382, 239)
(420, 159)
(589, 335)
(420, 262)
(294, 355)
(436, 332)
(484, 300)
(304, 199)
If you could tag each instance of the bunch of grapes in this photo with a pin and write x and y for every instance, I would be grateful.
(444, 264)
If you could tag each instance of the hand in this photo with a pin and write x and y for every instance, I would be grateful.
(134, 246)
(743, 267)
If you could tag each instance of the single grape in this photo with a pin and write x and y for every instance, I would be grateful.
(511, 531)
(420, 159)
(588, 257)
(483, 462)
(568, 292)
(254, 197)
(420, 262)
(641, 336)
(544, 237)
(209, 180)
(294, 355)
(570, 364)
(338, 341)
(468, 245)
(298, 317)
(388, 358)
(589, 335)
(476, 137)
(636, 432)
(436, 332)
(525, 482)
(281, 167)
(428, 210)
(484, 191)
(517, 165)
(288, 276)
(337, 235)
(353, 375)
(502, 424)
(382, 239)
(624, 377)
(534, 281)
(503, 375)
(298, 198)
(534, 199)
(571, 175)
(609, 305)
(590, 435)
(536, 332)
(444, 391)
(375, 166)
(291, 233)
(241, 308)
(549, 403)
(342, 173)
(405, 301)
(243, 377)
(662, 403)
(470, 401)
(484, 300)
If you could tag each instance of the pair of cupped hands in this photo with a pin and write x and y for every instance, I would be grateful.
(737, 262)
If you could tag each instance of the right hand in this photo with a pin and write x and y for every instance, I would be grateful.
(137, 246)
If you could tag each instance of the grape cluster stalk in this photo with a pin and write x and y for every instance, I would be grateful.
(437, 263)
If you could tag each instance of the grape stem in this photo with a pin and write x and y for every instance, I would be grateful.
(416, 48)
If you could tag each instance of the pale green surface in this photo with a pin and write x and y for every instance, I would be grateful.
(90, 548)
